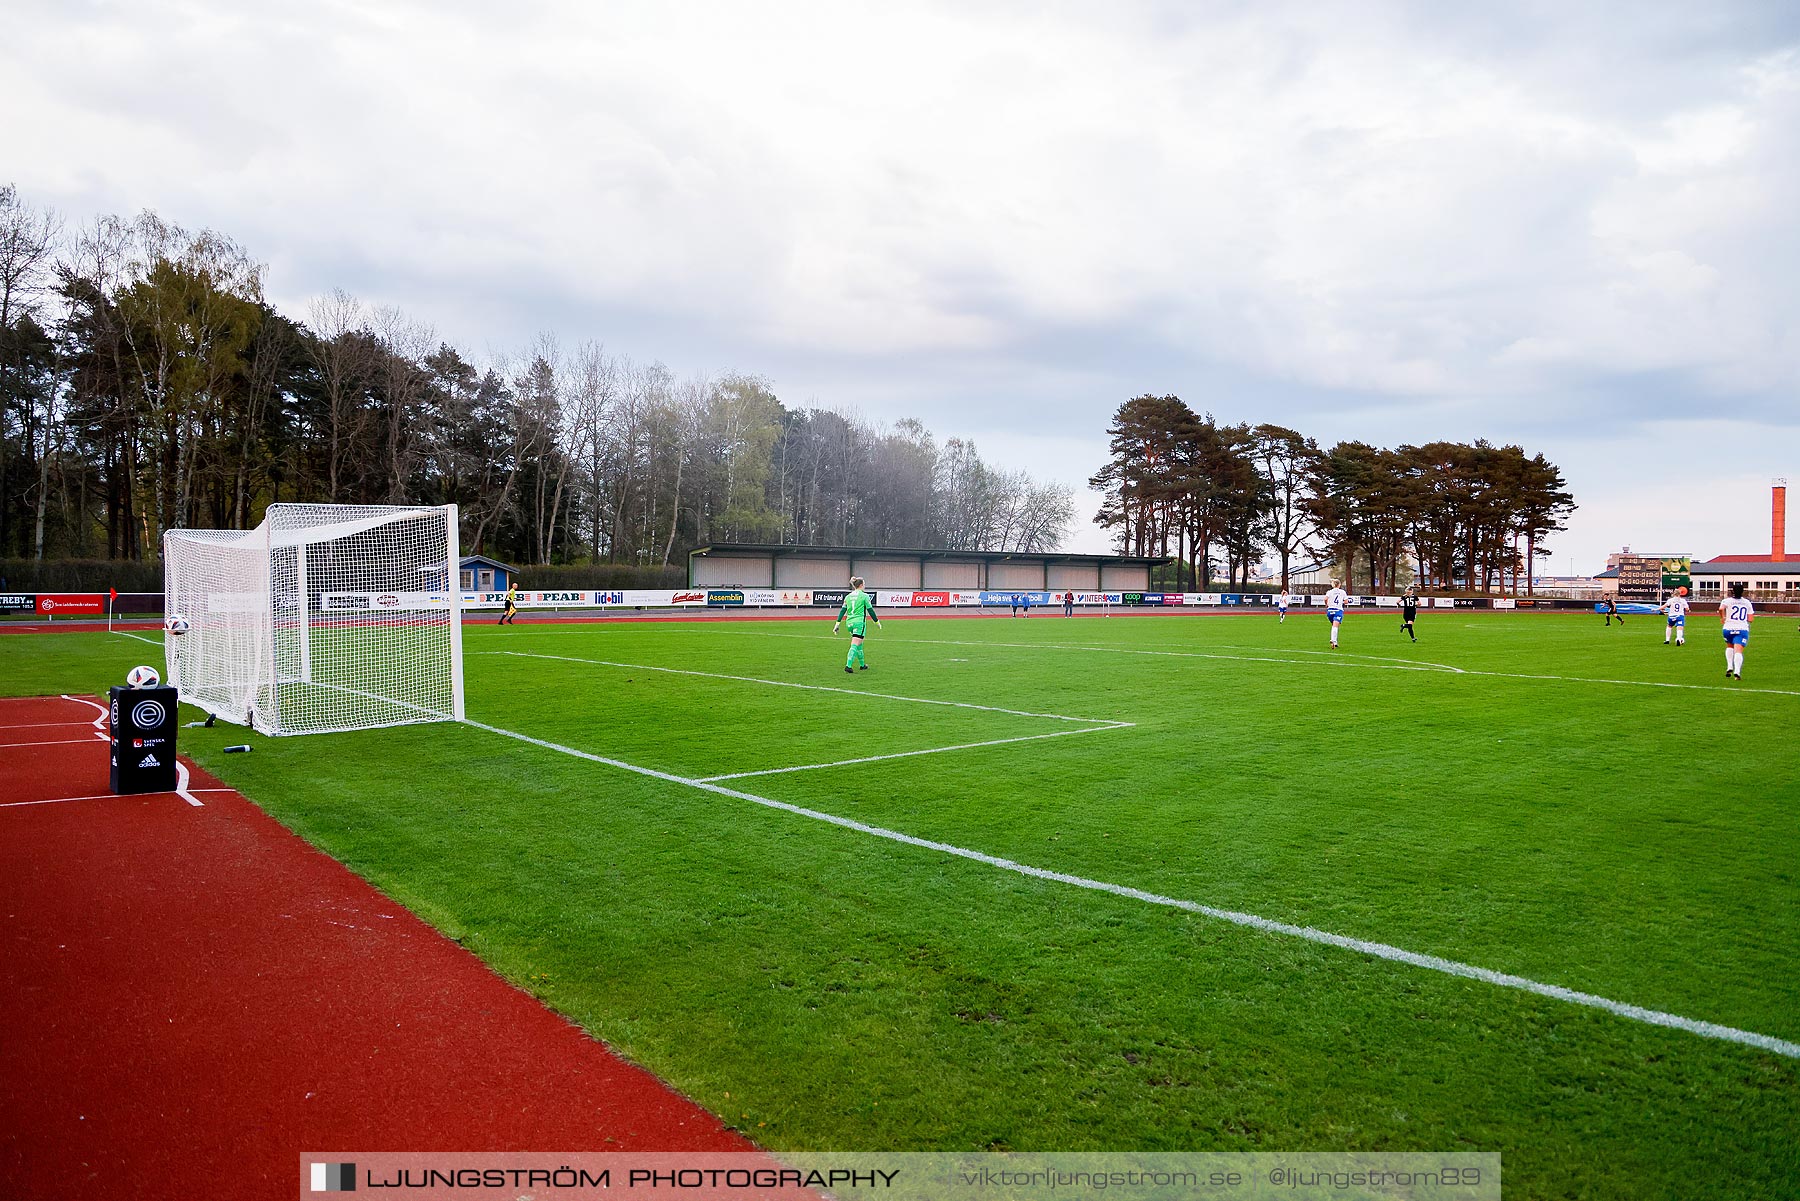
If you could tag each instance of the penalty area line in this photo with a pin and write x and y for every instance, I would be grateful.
(1449, 967)
(935, 750)
(881, 696)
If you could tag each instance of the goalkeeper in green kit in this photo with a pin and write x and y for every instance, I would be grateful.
(858, 608)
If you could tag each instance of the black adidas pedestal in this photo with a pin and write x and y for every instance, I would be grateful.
(143, 740)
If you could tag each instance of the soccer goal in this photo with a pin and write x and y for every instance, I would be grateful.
(322, 618)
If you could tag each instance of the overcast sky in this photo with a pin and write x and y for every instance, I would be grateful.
(1567, 226)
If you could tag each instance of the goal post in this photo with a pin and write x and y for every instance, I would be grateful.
(323, 618)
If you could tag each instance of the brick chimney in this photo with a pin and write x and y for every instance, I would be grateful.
(1778, 522)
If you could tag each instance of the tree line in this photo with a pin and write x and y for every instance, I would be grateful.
(1458, 515)
(146, 383)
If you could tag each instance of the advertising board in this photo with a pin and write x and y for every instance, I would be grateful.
(59, 603)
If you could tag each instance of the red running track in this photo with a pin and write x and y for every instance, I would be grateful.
(193, 996)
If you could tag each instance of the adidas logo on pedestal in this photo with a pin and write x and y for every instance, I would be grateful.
(148, 761)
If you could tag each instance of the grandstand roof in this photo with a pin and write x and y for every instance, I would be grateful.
(1746, 565)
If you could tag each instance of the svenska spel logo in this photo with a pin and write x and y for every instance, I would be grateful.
(333, 1177)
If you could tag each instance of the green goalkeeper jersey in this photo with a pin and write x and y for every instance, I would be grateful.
(857, 607)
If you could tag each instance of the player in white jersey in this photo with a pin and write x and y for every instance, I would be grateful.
(1335, 600)
(1676, 607)
(1282, 601)
(1735, 615)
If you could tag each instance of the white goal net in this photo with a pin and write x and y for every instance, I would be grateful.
(322, 618)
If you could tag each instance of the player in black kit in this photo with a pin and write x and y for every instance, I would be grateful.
(1409, 613)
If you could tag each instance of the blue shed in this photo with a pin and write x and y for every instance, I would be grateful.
(482, 574)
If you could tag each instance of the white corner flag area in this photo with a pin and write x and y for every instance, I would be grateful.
(322, 618)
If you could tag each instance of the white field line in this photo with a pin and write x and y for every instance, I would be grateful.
(112, 796)
(1336, 661)
(152, 641)
(9, 746)
(1450, 967)
(1295, 650)
(181, 785)
(885, 696)
(936, 750)
(1339, 661)
(32, 725)
(105, 714)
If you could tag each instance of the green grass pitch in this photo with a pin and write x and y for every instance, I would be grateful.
(1535, 795)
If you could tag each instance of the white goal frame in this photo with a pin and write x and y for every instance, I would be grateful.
(323, 619)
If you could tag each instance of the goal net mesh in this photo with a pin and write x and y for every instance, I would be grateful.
(323, 618)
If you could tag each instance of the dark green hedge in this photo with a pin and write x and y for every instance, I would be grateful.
(79, 575)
